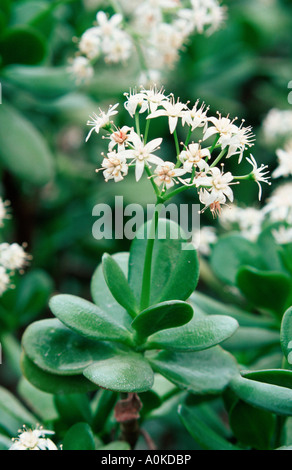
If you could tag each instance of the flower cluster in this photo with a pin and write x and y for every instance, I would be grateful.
(13, 257)
(156, 29)
(33, 439)
(277, 126)
(193, 165)
(250, 221)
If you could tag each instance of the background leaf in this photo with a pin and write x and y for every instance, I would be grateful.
(32, 161)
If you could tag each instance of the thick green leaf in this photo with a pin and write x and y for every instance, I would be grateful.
(269, 290)
(202, 372)
(102, 296)
(73, 408)
(210, 306)
(52, 383)
(230, 253)
(13, 415)
(87, 319)
(58, 350)
(270, 249)
(22, 45)
(196, 336)
(41, 403)
(79, 437)
(175, 270)
(205, 436)
(5, 442)
(162, 316)
(33, 294)
(265, 396)
(252, 426)
(122, 373)
(286, 335)
(249, 338)
(118, 285)
(280, 377)
(106, 401)
(31, 161)
(46, 82)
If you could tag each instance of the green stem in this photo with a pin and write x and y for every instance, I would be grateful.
(146, 130)
(176, 144)
(175, 193)
(215, 143)
(188, 138)
(155, 187)
(137, 122)
(220, 156)
(146, 282)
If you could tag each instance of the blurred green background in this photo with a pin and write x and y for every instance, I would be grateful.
(47, 170)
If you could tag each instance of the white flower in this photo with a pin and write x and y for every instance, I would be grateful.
(222, 125)
(217, 16)
(284, 162)
(13, 257)
(194, 156)
(203, 239)
(173, 110)
(238, 142)
(166, 174)
(218, 183)
(102, 120)
(212, 200)
(4, 211)
(155, 98)
(82, 69)
(259, 174)
(142, 154)
(136, 101)
(108, 26)
(90, 43)
(283, 235)
(117, 48)
(33, 439)
(119, 138)
(4, 280)
(248, 220)
(115, 167)
(279, 204)
(277, 125)
(195, 117)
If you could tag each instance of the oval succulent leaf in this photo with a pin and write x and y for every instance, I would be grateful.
(32, 161)
(53, 383)
(122, 373)
(56, 349)
(87, 319)
(162, 316)
(103, 297)
(280, 377)
(118, 285)
(175, 269)
(286, 335)
(232, 252)
(196, 336)
(204, 435)
(273, 398)
(208, 371)
(269, 290)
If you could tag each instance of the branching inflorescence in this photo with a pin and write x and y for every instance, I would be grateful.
(195, 164)
(152, 31)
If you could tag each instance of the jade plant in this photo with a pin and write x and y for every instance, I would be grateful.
(142, 321)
